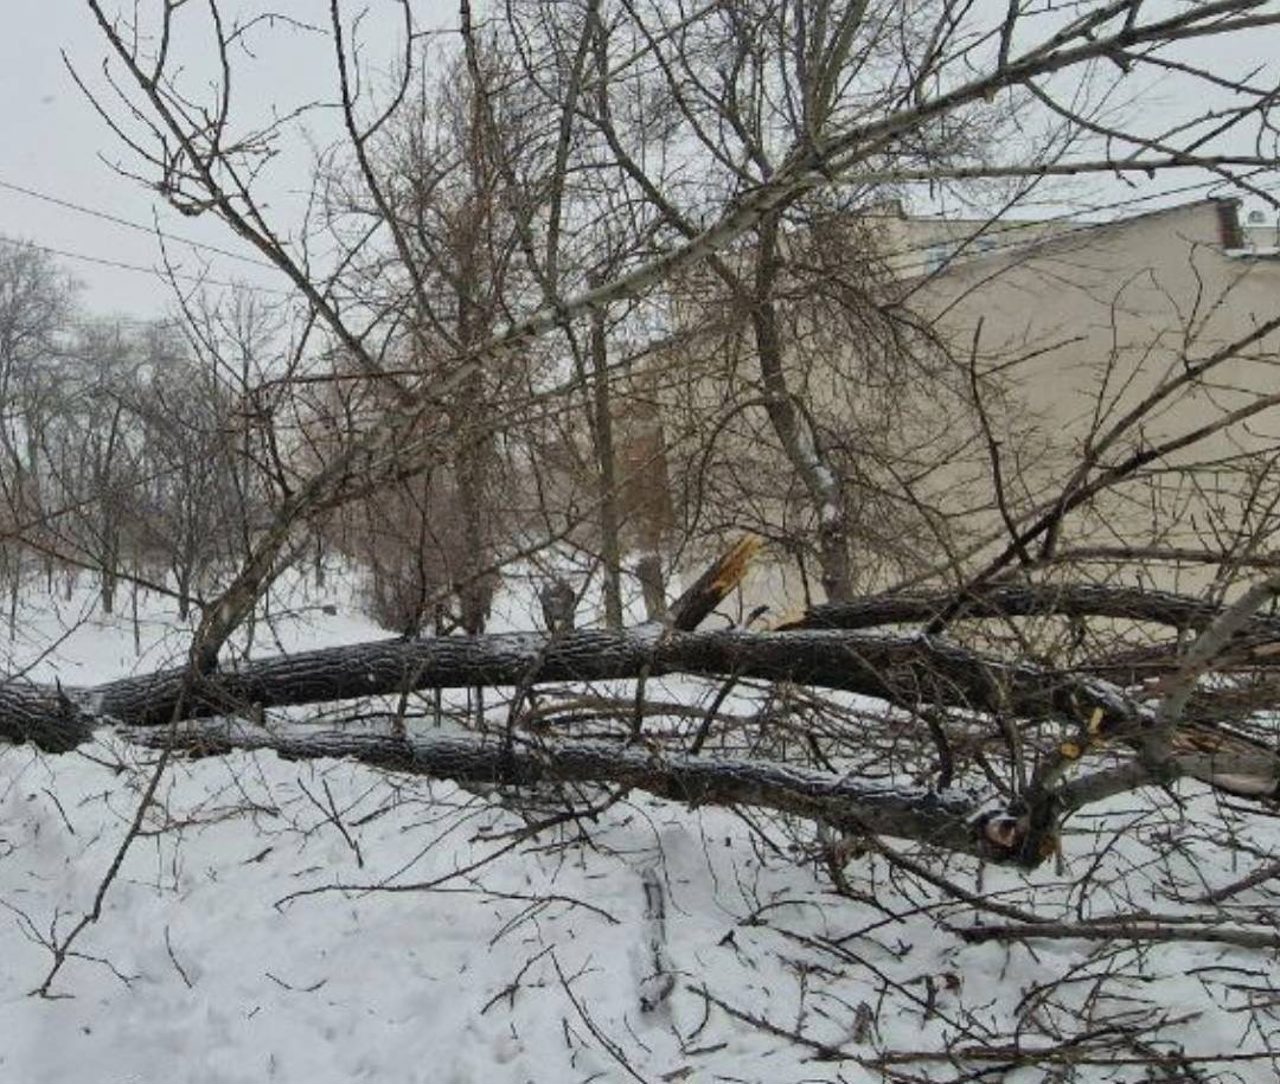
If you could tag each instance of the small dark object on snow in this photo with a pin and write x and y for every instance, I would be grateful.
(559, 600)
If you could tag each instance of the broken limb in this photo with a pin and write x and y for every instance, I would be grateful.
(950, 819)
(900, 669)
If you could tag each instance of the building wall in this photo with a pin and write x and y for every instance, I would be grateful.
(1087, 327)
(1066, 333)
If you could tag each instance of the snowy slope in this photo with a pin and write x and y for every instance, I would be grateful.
(325, 922)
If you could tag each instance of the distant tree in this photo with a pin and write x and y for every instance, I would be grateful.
(37, 307)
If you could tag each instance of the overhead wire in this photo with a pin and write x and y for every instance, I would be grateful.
(108, 216)
(121, 265)
(894, 260)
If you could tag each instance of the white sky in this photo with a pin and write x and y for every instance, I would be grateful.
(53, 143)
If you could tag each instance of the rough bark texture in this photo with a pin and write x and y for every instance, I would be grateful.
(913, 671)
(950, 819)
(794, 432)
(43, 717)
(907, 670)
(607, 467)
(1031, 600)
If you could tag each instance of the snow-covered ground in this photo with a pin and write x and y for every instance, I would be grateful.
(325, 922)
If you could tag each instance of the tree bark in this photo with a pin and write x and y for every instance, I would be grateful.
(794, 431)
(1031, 600)
(44, 717)
(607, 472)
(906, 670)
(911, 671)
(948, 818)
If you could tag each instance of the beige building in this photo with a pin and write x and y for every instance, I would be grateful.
(1026, 350)
(1089, 326)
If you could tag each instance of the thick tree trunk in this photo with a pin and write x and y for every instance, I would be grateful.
(950, 819)
(913, 671)
(1030, 600)
(794, 431)
(906, 670)
(44, 717)
(607, 473)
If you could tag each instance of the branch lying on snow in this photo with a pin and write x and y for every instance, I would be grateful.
(903, 670)
(1199, 659)
(1125, 931)
(952, 819)
(906, 670)
(1254, 644)
(1033, 600)
(1231, 764)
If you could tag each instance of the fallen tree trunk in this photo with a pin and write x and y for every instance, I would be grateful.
(915, 672)
(910, 671)
(952, 819)
(43, 716)
(1031, 600)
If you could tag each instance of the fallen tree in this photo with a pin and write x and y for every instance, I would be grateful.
(915, 672)
(995, 600)
(959, 819)
(1041, 719)
(951, 819)
(909, 671)
(828, 648)
(918, 673)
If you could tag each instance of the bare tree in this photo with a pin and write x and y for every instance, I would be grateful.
(36, 307)
(721, 138)
(644, 204)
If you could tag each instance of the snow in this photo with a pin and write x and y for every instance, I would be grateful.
(326, 922)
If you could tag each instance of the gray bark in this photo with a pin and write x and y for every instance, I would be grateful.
(906, 670)
(42, 716)
(1031, 600)
(607, 466)
(950, 818)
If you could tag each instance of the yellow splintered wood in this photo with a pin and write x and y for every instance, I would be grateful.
(731, 568)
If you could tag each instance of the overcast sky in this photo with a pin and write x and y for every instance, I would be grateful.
(54, 145)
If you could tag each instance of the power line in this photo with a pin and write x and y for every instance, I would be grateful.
(107, 216)
(120, 265)
(1007, 226)
(997, 228)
